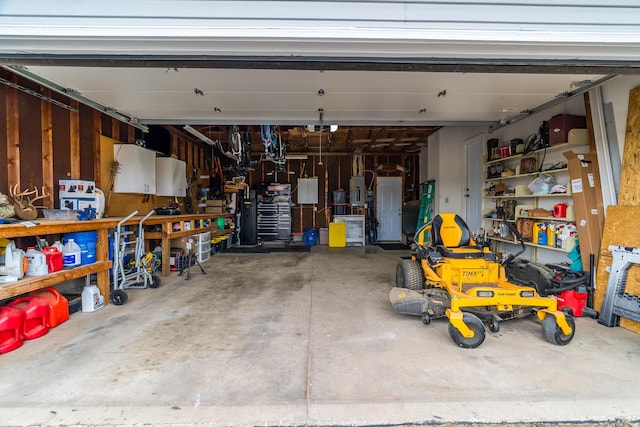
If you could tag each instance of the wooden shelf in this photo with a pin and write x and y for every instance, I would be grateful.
(515, 242)
(532, 153)
(501, 178)
(28, 284)
(528, 196)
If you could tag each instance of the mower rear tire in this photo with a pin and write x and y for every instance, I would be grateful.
(554, 334)
(409, 275)
(473, 323)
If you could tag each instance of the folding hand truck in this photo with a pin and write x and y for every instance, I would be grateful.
(132, 267)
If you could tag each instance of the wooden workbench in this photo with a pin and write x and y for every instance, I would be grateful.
(198, 223)
(179, 226)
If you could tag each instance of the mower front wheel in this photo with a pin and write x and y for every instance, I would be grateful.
(409, 275)
(494, 325)
(475, 325)
(554, 334)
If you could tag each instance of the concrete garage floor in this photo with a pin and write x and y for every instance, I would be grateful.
(306, 339)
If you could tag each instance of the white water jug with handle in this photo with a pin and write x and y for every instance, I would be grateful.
(71, 255)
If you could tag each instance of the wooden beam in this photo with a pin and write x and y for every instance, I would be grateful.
(74, 139)
(115, 129)
(97, 132)
(46, 125)
(13, 137)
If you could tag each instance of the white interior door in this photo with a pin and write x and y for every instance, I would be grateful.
(473, 191)
(389, 208)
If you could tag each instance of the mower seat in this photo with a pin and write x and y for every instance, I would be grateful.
(451, 237)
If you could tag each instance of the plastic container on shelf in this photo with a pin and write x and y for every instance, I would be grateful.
(37, 263)
(71, 254)
(53, 258)
(87, 241)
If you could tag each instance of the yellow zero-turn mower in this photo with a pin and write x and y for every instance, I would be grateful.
(450, 275)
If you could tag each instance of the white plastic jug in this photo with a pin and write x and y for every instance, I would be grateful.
(91, 298)
(37, 263)
(71, 254)
(58, 245)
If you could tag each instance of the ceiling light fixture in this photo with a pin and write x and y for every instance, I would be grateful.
(198, 135)
(321, 128)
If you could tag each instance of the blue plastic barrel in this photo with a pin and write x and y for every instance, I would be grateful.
(87, 241)
(310, 237)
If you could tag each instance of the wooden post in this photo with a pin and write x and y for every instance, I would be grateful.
(97, 131)
(13, 137)
(74, 140)
(46, 124)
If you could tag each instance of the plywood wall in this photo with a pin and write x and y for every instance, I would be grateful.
(621, 226)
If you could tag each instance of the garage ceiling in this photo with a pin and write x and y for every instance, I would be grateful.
(375, 110)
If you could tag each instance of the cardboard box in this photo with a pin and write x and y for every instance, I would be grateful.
(587, 200)
(218, 203)
(69, 203)
(76, 188)
(214, 210)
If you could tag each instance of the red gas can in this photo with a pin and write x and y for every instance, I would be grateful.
(35, 316)
(58, 305)
(54, 258)
(11, 322)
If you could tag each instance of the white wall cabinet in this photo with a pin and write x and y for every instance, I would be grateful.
(136, 169)
(170, 177)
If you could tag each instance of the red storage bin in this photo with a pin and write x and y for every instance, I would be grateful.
(58, 305)
(11, 322)
(35, 316)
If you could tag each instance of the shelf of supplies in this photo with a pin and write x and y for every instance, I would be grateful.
(527, 196)
(500, 178)
(537, 218)
(531, 153)
(515, 242)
